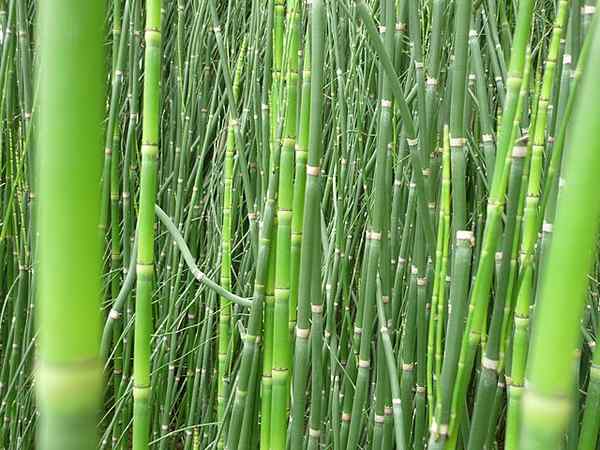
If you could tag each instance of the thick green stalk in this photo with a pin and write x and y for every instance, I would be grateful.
(310, 228)
(462, 20)
(281, 334)
(226, 268)
(550, 377)
(531, 223)
(299, 188)
(69, 162)
(590, 423)
(457, 313)
(438, 298)
(266, 387)
(145, 256)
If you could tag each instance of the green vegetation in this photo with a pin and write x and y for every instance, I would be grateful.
(277, 224)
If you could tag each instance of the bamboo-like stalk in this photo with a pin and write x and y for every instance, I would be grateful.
(311, 258)
(438, 297)
(310, 233)
(69, 166)
(548, 393)
(462, 19)
(299, 188)
(112, 152)
(226, 250)
(145, 256)
(530, 234)
(281, 335)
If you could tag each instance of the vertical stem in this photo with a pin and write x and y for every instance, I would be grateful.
(547, 403)
(145, 257)
(70, 118)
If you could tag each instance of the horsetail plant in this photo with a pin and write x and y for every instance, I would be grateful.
(69, 181)
(363, 219)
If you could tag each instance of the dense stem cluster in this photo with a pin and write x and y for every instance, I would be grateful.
(331, 224)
